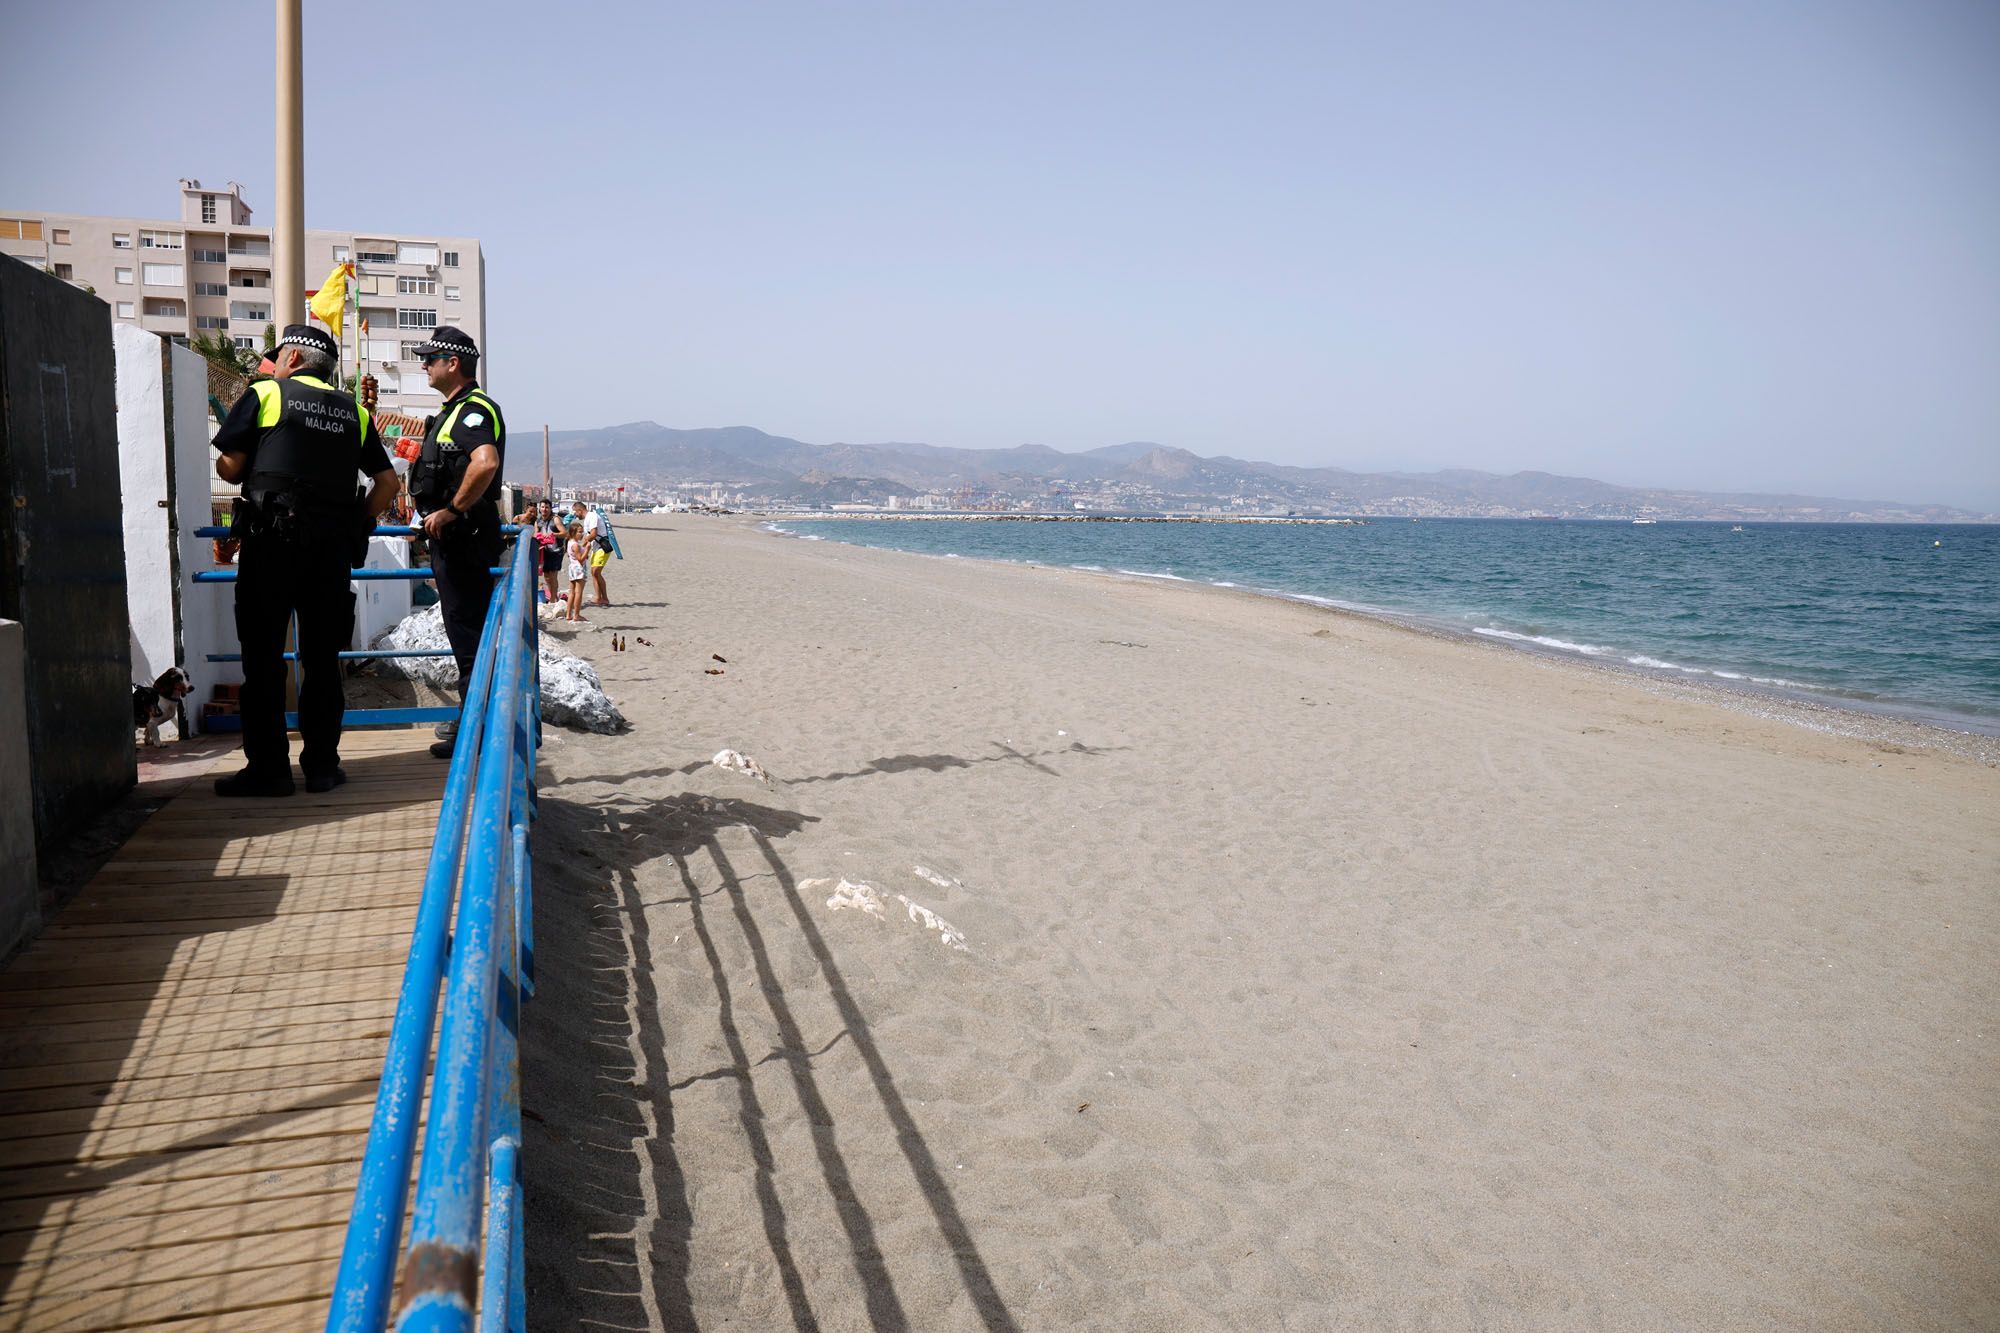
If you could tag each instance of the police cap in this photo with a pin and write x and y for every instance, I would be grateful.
(448, 341)
(309, 338)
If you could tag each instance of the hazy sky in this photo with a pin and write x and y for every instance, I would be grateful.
(1726, 246)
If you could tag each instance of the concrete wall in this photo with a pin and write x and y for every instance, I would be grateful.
(62, 545)
(20, 912)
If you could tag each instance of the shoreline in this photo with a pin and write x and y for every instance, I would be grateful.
(1890, 722)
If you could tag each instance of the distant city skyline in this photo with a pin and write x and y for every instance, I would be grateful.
(1730, 248)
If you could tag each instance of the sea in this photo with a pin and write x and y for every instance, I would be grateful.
(1900, 619)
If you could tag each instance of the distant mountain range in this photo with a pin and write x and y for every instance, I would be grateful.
(652, 460)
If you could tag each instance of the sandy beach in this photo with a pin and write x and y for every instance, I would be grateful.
(1204, 961)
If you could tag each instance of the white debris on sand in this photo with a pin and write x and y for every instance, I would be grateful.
(572, 694)
(933, 877)
(869, 899)
(740, 763)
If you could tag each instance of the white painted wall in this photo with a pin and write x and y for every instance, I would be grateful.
(169, 630)
(142, 473)
(381, 604)
(207, 610)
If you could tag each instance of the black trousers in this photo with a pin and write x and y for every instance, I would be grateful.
(461, 563)
(280, 574)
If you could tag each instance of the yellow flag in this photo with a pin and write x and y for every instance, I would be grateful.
(330, 301)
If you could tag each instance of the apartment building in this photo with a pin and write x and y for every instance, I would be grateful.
(210, 272)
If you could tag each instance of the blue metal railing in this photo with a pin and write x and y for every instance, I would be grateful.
(471, 1152)
(353, 717)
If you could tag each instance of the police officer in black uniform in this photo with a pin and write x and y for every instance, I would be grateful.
(297, 445)
(455, 484)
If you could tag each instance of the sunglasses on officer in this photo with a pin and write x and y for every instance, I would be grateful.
(428, 357)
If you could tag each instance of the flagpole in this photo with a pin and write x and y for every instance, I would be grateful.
(547, 494)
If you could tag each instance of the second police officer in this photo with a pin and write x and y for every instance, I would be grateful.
(297, 445)
(455, 484)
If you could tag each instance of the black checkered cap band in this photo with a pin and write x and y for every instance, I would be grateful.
(448, 347)
(311, 339)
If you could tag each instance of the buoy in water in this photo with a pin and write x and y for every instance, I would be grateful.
(1937, 543)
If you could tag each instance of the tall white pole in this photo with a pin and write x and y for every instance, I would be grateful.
(288, 237)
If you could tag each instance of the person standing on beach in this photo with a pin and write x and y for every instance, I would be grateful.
(455, 483)
(549, 538)
(296, 444)
(578, 550)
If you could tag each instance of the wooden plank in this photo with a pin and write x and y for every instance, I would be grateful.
(224, 899)
(154, 1024)
(84, 1120)
(274, 983)
(141, 1092)
(216, 1255)
(30, 1051)
(188, 1226)
(258, 862)
(238, 1159)
(125, 1199)
(158, 968)
(177, 1298)
(229, 1131)
(169, 1003)
(316, 920)
(201, 1063)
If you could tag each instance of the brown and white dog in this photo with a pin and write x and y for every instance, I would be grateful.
(155, 703)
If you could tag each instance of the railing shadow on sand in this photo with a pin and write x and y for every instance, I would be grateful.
(607, 1195)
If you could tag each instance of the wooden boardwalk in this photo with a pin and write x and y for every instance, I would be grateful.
(188, 1055)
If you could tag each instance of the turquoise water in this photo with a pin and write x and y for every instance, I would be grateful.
(1898, 618)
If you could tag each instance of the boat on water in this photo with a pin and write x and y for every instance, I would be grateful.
(1642, 522)
(1737, 528)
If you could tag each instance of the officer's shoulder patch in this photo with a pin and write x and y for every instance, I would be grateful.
(474, 419)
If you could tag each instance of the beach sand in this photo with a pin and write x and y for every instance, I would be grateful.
(1315, 973)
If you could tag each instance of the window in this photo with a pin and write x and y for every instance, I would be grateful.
(409, 351)
(249, 245)
(211, 289)
(340, 254)
(65, 272)
(164, 310)
(377, 256)
(211, 256)
(124, 310)
(416, 286)
(20, 229)
(211, 321)
(388, 381)
(260, 314)
(121, 240)
(162, 275)
(411, 252)
(250, 278)
(244, 344)
(60, 235)
(159, 240)
(380, 349)
(451, 293)
(416, 319)
(208, 209)
(451, 259)
(123, 277)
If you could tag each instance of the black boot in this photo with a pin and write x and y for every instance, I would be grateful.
(250, 782)
(324, 782)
